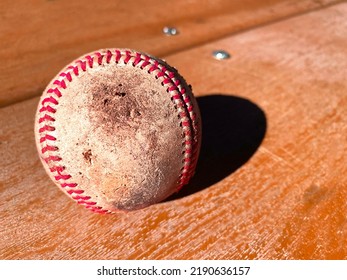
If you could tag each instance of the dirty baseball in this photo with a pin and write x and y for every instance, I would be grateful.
(118, 130)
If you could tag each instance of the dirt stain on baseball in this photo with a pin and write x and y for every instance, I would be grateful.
(116, 105)
(88, 156)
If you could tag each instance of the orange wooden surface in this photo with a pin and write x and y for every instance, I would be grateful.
(38, 38)
(271, 180)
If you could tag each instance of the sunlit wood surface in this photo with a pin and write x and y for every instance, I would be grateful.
(271, 180)
(38, 38)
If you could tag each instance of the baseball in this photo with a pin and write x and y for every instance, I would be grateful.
(118, 130)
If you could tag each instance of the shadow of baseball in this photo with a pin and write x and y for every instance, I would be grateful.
(232, 130)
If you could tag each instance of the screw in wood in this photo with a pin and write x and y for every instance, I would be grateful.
(221, 55)
(170, 31)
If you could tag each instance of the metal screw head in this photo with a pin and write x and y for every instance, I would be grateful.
(220, 54)
(170, 31)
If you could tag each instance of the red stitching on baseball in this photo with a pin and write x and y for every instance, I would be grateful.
(153, 67)
(67, 75)
(46, 128)
(118, 55)
(190, 161)
(60, 83)
(160, 74)
(56, 91)
(47, 137)
(79, 197)
(74, 69)
(85, 202)
(145, 63)
(48, 148)
(173, 86)
(52, 158)
(94, 207)
(166, 81)
(50, 99)
(100, 57)
(83, 64)
(127, 57)
(137, 59)
(57, 168)
(90, 61)
(48, 109)
(62, 177)
(189, 168)
(46, 118)
(108, 56)
(73, 191)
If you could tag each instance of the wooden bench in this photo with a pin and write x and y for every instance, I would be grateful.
(271, 179)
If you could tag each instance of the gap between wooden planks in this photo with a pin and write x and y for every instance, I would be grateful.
(274, 123)
(38, 39)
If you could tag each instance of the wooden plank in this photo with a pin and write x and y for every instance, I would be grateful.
(40, 38)
(271, 182)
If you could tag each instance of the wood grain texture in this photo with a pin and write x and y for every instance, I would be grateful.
(38, 38)
(271, 182)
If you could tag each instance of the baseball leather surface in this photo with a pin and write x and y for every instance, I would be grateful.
(118, 130)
